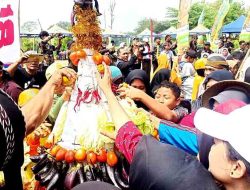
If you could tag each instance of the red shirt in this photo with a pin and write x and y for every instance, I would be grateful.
(127, 139)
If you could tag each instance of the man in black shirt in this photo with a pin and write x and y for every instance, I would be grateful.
(26, 73)
(124, 64)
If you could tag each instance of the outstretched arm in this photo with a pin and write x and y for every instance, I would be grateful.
(37, 109)
(160, 110)
(128, 135)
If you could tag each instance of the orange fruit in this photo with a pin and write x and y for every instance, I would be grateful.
(70, 156)
(60, 155)
(73, 56)
(75, 62)
(112, 159)
(81, 54)
(66, 81)
(54, 150)
(91, 158)
(102, 156)
(106, 59)
(80, 155)
(97, 58)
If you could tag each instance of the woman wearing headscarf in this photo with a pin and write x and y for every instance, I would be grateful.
(211, 79)
(138, 79)
(159, 77)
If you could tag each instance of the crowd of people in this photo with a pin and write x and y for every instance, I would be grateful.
(193, 100)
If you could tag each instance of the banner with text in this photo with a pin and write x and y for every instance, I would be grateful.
(182, 39)
(245, 33)
(9, 31)
(218, 23)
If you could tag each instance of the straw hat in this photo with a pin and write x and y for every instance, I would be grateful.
(222, 86)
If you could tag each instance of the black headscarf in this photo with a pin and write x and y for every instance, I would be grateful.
(219, 75)
(159, 166)
(142, 75)
(139, 74)
(161, 75)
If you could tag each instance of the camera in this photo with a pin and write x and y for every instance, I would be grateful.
(61, 36)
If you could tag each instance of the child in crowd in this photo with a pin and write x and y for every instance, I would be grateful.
(166, 104)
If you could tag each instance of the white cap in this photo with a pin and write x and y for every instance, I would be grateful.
(233, 128)
(145, 39)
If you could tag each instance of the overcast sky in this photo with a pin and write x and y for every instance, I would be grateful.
(127, 12)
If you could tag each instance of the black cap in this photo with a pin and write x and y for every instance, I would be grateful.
(191, 53)
(43, 33)
(207, 44)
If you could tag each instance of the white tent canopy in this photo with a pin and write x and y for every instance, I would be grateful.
(200, 29)
(111, 33)
(171, 31)
(55, 29)
(146, 32)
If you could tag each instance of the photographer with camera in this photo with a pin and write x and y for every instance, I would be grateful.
(124, 63)
(46, 48)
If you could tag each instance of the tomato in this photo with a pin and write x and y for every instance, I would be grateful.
(102, 156)
(106, 59)
(112, 159)
(81, 54)
(70, 156)
(60, 155)
(75, 61)
(54, 150)
(73, 56)
(100, 68)
(97, 58)
(80, 155)
(91, 158)
(33, 139)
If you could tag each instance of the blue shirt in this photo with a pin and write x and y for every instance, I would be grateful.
(179, 136)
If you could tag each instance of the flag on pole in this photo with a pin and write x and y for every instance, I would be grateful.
(183, 26)
(201, 18)
(224, 8)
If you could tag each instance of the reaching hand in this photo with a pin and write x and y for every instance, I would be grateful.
(104, 82)
(57, 78)
(23, 58)
(130, 92)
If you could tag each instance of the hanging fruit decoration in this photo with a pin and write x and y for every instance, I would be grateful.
(81, 54)
(106, 60)
(97, 58)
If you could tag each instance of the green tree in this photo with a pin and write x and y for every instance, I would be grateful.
(194, 14)
(30, 26)
(172, 16)
(63, 24)
(142, 25)
(161, 26)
